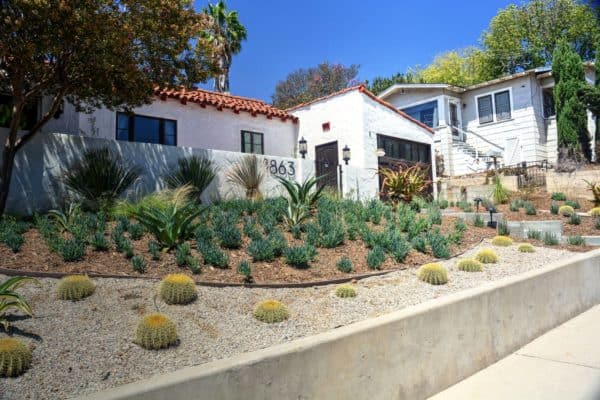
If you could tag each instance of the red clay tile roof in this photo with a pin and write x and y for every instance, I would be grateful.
(222, 100)
(362, 89)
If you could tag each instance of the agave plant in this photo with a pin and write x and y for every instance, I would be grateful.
(100, 177)
(301, 199)
(64, 219)
(405, 182)
(595, 188)
(248, 174)
(10, 299)
(169, 215)
(197, 172)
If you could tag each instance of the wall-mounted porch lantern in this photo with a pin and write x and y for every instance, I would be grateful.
(302, 147)
(346, 154)
(380, 152)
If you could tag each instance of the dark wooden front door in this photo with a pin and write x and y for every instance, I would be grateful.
(327, 164)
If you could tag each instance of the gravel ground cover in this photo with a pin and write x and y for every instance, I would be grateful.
(82, 347)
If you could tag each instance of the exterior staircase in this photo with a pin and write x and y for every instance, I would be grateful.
(464, 159)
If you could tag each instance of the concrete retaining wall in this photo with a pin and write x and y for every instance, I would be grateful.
(410, 354)
(572, 184)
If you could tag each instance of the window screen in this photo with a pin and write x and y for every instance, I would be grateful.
(484, 105)
(502, 100)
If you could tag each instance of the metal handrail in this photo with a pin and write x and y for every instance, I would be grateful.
(478, 135)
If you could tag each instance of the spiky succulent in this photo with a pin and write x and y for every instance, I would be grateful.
(487, 256)
(503, 241)
(271, 311)
(566, 211)
(178, 289)
(156, 331)
(470, 265)
(595, 212)
(75, 287)
(433, 273)
(345, 291)
(15, 357)
(526, 248)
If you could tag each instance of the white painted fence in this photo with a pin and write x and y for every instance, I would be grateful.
(39, 166)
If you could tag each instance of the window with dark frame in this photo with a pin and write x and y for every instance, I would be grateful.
(502, 102)
(404, 149)
(548, 97)
(253, 142)
(144, 129)
(484, 106)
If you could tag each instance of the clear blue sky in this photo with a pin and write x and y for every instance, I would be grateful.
(383, 37)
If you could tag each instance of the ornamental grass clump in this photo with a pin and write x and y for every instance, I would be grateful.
(503, 241)
(15, 357)
(75, 287)
(470, 265)
(156, 331)
(575, 219)
(566, 211)
(271, 311)
(345, 291)
(526, 248)
(433, 273)
(178, 289)
(487, 256)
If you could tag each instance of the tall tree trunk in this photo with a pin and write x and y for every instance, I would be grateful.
(222, 79)
(8, 158)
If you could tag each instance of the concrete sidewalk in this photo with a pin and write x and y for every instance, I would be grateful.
(562, 364)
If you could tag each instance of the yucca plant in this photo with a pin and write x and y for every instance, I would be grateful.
(302, 197)
(193, 171)
(169, 215)
(10, 299)
(248, 174)
(500, 194)
(99, 177)
(404, 182)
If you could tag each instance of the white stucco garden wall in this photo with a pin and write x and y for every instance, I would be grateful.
(37, 186)
(197, 127)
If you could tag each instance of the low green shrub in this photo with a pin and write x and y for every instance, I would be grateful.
(439, 244)
(460, 225)
(13, 240)
(554, 208)
(230, 236)
(154, 250)
(537, 235)
(245, 270)
(419, 243)
(214, 256)
(344, 264)
(434, 215)
(299, 256)
(597, 223)
(576, 240)
(558, 196)
(72, 250)
(398, 248)
(139, 264)
(183, 252)
(478, 221)
(443, 204)
(573, 203)
(550, 239)
(530, 209)
(503, 229)
(575, 219)
(136, 231)
(261, 250)
(375, 257)
(99, 241)
(514, 206)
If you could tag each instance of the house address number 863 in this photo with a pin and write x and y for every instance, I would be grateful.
(284, 168)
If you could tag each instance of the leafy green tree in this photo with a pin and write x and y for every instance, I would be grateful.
(524, 37)
(571, 114)
(459, 67)
(381, 83)
(225, 34)
(305, 85)
(93, 53)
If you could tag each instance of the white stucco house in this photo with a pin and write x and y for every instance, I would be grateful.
(375, 132)
(508, 121)
(191, 118)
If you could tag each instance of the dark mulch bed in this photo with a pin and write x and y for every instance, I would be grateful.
(35, 256)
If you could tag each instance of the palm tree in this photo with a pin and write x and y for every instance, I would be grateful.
(226, 34)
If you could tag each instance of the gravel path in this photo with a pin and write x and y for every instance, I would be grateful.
(86, 346)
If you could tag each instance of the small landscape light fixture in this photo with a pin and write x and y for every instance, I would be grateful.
(491, 223)
(477, 201)
(346, 154)
(302, 147)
